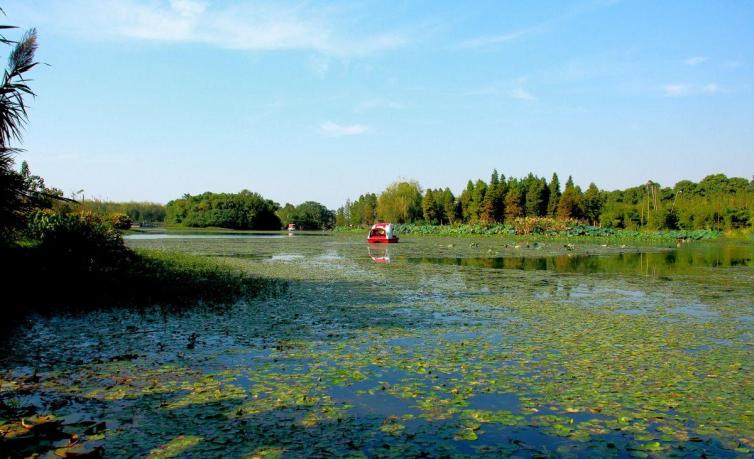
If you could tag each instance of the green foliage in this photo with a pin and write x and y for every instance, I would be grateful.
(82, 241)
(716, 203)
(401, 202)
(141, 212)
(15, 195)
(120, 221)
(244, 210)
(308, 215)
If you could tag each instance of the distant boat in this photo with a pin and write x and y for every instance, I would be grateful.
(382, 233)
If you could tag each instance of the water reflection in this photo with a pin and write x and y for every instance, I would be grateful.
(154, 236)
(652, 263)
(379, 253)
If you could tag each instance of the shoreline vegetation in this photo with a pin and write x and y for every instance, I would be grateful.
(551, 229)
(83, 262)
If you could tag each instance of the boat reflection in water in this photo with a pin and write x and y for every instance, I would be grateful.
(379, 253)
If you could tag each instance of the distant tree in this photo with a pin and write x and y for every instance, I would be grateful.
(244, 210)
(569, 205)
(286, 214)
(401, 202)
(465, 202)
(592, 203)
(429, 207)
(340, 217)
(553, 196)
(477, 197)
(312, 215)
(536, 197)
(514, 201)
(449, 207)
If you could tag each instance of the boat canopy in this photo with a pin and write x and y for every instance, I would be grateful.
(382, 230)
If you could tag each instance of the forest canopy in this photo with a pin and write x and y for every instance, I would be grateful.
(716, 202)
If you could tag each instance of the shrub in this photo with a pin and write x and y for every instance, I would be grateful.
(78, 241)
(120, 221)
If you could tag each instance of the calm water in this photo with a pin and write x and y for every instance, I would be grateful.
(431, 347)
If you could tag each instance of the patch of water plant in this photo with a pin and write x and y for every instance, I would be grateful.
(454, 348)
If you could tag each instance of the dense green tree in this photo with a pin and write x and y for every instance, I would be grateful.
(431, 209)
(537, 195)
(514, 200)
(401, 202)
(244, 210)
(449, 207)
(363, 211)
(465, 200)
(716, 202)
(592, 203)
(312, 215)
(569, 205)
(286, 214)
(553, 196)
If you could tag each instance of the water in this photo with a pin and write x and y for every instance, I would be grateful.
(434, 346)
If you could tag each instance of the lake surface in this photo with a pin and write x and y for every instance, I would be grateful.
(428, 348)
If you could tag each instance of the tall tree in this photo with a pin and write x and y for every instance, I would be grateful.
(514, 201)
(554, 196)
(569, 205)
(592, 203)
(429, 207)
(449, 206)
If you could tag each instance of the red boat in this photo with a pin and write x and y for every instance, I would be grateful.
(382, 233)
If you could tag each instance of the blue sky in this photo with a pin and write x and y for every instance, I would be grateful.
(150, 99)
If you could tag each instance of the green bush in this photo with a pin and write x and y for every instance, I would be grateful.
(120, 221)
(81, 241)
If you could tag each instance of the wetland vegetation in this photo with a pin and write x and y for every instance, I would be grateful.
(443, 347)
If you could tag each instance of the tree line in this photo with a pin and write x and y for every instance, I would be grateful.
(716, 202)
(245, 210)
(139, 212)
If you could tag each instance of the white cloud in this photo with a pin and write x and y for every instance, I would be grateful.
(695, 60)
(249, 26)
(711, 88)
(677, 90)
(522, 94)
(684, 89)
(331, 129)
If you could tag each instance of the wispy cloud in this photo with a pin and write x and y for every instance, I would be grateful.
(331, 129)
(248, 26)
(685, 89)
(695, 60)
(491, 40)
(676, 90)
(522, 94)
(711, 88)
